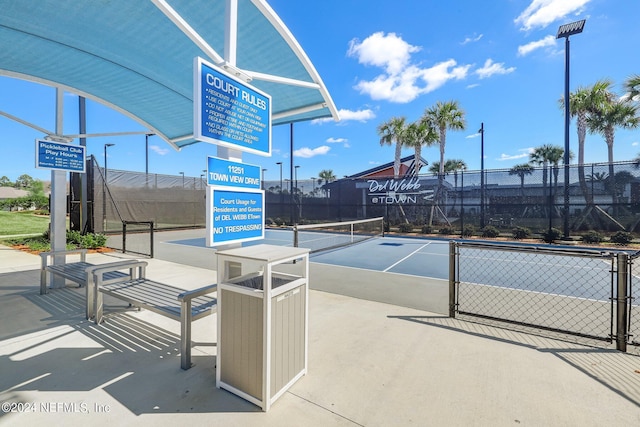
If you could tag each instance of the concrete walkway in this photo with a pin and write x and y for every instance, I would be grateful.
(370, 364)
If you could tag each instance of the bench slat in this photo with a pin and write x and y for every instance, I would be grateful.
(156, 296)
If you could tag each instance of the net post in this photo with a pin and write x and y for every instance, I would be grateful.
(295, 236)
(452, 279)
(621, 309)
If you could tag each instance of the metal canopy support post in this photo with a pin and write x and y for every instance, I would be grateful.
(58, 207)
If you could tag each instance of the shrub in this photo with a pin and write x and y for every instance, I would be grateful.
(551, 235)
(93, 241)
(490, 231)
(405, 228)
(446, 230)
(468, 230)
(592, 237)
(521, 233)
(426, 229)
(621, 238)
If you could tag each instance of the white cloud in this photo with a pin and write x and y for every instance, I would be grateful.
(335, 140)
(541, 13)
(307, 152)
(472, 39)
(387, 51)
(471, 86)
(400, 81)
(538, 44)
(524, 152)
(475, 135)
(490, 68)
(635, 143)
(347, 115)
(159, 150)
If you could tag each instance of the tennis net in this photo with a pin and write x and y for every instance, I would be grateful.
(320, 237)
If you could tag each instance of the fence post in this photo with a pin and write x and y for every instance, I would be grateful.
(621, 309)
(124, 237)
(452, 279)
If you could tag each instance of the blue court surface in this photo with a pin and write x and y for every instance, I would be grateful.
(412, 256)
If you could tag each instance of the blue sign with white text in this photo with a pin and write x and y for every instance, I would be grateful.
(229, 112)
(54, 155)
(234, 215)
(232, 174)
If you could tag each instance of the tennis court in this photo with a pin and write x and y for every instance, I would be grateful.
(412, 256)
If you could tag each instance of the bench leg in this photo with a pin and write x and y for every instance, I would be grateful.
(98, 306)
(90, 293)
(185, 334)
(43, 281)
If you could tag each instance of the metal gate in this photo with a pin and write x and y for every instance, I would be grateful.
(578, 292)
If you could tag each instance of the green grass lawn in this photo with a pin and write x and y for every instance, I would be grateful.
(24, 222)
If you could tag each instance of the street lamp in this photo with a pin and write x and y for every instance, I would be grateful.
(146, 143)
(566, 31)
(182, 173)
(481, 174)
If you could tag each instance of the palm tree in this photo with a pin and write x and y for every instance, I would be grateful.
(582, 102)
(521, 170)
(611, 115)
(540, 156)
(445, 116)
(391, 132)
(328, 176)
(418, 134)
(547, 155)
(632, 86)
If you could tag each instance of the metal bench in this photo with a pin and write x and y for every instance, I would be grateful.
(169, 301)
(80, 272)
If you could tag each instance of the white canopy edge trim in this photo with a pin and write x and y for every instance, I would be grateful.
(283, 80)
(193, 35)
(277, 23)
(151, 129)
(301, 110)
(26, 123)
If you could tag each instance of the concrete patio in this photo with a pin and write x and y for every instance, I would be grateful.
(370, 364)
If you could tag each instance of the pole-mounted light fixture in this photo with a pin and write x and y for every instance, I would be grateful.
(565, 31)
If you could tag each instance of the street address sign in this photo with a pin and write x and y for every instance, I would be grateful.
(54, 155)
(233, 174)
(230, 112)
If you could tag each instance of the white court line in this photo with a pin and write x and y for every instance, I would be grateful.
(393, 265)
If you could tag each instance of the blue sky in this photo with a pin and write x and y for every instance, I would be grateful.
(499, 59)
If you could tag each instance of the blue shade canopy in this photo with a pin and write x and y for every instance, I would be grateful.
(138, 56)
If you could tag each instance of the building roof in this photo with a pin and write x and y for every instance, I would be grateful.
(386, 170)
(12, 193)
(138, 56)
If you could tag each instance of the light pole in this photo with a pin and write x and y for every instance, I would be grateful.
(280, 164)
(146, 144)
(105, 160)
(182, 173)
(262, 179)
(104, 189)
(566, 31)
(481, 174)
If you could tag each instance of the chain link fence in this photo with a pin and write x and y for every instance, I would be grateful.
(598, 197)
(585, 294)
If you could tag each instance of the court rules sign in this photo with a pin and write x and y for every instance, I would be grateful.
(234, 215)
(230, 112)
